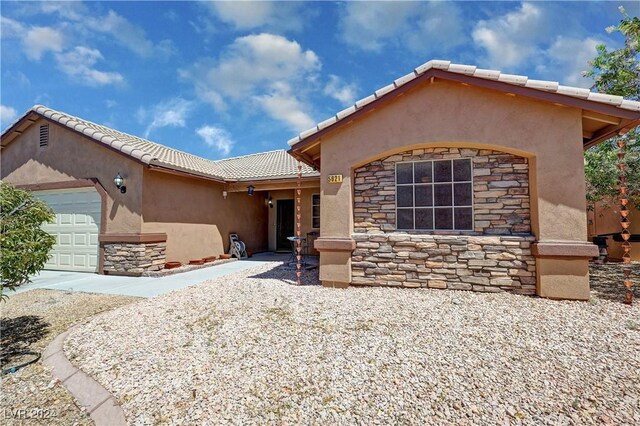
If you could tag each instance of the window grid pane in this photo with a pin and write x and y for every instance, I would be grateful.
(315, 211)
(434, 194)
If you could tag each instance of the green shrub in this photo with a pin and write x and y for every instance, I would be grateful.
(24, 246)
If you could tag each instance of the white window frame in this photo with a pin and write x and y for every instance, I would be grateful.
(433, 206)
(312, 206)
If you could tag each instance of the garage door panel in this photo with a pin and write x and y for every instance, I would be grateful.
(76, 228)
(80, 261)
(63, 259)
(64, 239)
(79, 240)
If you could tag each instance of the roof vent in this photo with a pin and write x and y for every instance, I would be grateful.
(44, 135)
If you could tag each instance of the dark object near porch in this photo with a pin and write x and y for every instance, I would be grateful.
(635, 238)
(603, 256)
(210, 259)
(196, 262)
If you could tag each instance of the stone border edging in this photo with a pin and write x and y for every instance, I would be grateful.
(103, 408)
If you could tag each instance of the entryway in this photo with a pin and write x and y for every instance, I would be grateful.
(285, 224)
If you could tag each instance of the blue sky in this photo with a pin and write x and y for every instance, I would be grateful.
(221, 79)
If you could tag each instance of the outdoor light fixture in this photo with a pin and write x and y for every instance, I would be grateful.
(224, 194)
(270, 202)
(250, 189)
(119, 181)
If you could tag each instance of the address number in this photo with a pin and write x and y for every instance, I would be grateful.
(335, 178)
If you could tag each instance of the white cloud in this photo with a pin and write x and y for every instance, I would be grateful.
(123, 31)
(268, 68)
(216, 137)
(249, 62)
(438, 28)
(246, 15)
(510, 40)
(39, 40)
(569, 57)
(170, 113)
(523, 39)
(79, 63)
(10, 28)
(367, 25)
(7, 114)
(35, 40)
(339, 90)
(284, 106)
(424, 27)
(16, 77)
(87, 23)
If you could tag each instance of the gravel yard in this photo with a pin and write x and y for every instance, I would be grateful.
(31, 320)
(252, 348)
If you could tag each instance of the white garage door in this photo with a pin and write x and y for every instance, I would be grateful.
(76, 228)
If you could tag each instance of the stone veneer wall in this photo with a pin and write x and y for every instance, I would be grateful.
(134, 258)
(500, 190)
(461, 262)
(495, 256)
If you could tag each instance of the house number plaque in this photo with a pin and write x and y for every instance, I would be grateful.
(334, 178)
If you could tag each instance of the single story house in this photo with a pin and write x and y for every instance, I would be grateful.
(449, 177)
(175, 206)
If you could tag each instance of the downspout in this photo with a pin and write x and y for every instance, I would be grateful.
(298, 219)
(624, 220)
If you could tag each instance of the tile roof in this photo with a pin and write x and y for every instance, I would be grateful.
(276, 164)
(266, 165)
(473, 71)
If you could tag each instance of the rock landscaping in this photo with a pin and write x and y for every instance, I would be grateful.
(253, 348)
(30, 321)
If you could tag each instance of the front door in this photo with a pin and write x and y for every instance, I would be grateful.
(285, 223)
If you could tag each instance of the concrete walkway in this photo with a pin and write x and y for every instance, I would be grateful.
(141, 286)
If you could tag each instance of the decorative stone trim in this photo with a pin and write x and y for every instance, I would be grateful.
(480, 263)
(334, 244)
(133, 238)
(500, 191)
(121, 258)
(564, 249)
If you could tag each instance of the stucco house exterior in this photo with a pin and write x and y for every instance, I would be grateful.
(464, 178)
(176, 207)
(449, 177)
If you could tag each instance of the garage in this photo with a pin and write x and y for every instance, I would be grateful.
(76, 228)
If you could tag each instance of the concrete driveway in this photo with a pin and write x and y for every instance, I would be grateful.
(140, 286)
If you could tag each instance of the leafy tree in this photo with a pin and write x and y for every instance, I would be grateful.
(24, 246)
(616, 72)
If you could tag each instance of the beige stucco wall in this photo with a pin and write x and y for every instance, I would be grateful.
(445, 114)
(70, 156)
(605, 219)
(197, 219)
(305, 208)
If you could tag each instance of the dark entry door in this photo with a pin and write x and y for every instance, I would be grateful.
(285, 224)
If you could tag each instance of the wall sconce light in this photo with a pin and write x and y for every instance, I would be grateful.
(224, 194)
(250, 190)
(270, 202)
(119, 181)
